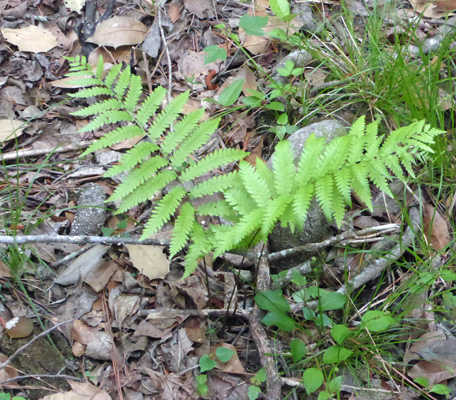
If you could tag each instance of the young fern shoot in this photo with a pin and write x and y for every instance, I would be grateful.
(253, 199)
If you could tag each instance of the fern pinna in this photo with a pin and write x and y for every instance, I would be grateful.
(254, 198)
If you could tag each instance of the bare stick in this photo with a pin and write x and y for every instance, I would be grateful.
(168, 56)
(273, 382)
(14, 155)
(81, 240)
(44, 333)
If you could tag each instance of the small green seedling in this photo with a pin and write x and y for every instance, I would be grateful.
(207, 363)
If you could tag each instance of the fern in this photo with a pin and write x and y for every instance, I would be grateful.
(252, 199)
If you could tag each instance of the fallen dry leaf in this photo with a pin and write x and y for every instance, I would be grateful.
(80, 391)
(149, 260)
(174, 10)
(32, 38)
(198, 7)
(233, 365)
(9, 129)
(433, 371)
(435, 228)
(427, 8)
(7, 373)
(119, 31)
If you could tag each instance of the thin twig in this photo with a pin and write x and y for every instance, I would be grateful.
(365, 234)
(20, 349)
(81, 240)
(168, 56)
(39, 377)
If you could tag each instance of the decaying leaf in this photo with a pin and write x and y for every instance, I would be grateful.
(119, 31)
(435, 228)
(149, 260)
(32, 38)
(427, 8)
(7, 373)
(198, 7)
(80, 391)
(233, 365)
(9, 129)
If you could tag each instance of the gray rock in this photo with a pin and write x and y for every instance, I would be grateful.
(306, 17)
(316, 227)
(300, 59)
(91, 211)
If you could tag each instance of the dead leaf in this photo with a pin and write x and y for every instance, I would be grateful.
(435, 228)
(174, 10)
(117, 56)
(149, 260)
(198, 7)
(445, 5)
(80, 391)
(100, 277)
(258, 44)
(426, 8)
(119, 31)
(233, 365)
(7, 373)
(10, 129)
(32, 38)
(70, 83)
(80, 268)
(192, 64)
(433, 371)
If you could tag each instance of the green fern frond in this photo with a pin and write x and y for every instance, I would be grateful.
(324, 190)
(164, 210)
(112, 76)
(181, 131)
(141, 174)
(133, 94)
(283, 167)
(144, 191)
(248, 224)
(301, 202)
(360, 184)
(211, 162)
(266, 174)
(132, 157)
(150, 106)
(194, 141)
(201, 245)
(240, 200)
(338, 204)
(122, 84)
(108, 117)
(254, 184)
(312, 151)
(219, 208)
(182, 229)
(115, 136)
(91, 92)
(100, 107)
(273, 212)
(343, 178)
(213, 185)
(164, 120)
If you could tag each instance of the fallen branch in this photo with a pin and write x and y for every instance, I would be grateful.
(14, 155)
(82, 239)
(273, 382)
